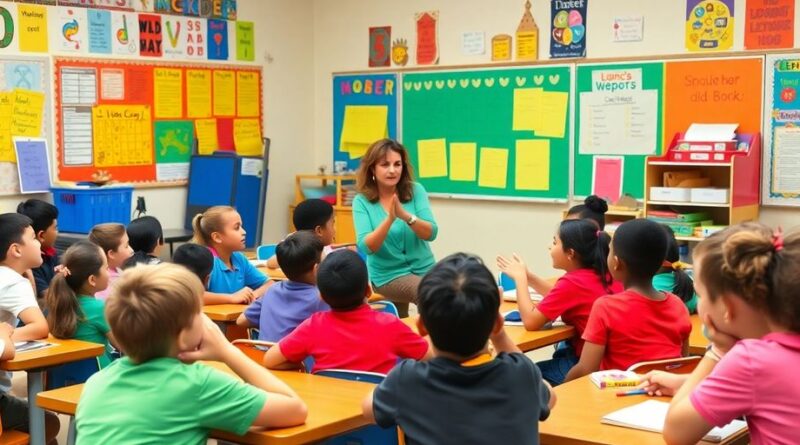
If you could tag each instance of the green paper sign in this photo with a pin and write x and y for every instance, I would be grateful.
(244, 41)
(174, 141)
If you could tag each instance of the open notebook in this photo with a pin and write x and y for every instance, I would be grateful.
(650, 416)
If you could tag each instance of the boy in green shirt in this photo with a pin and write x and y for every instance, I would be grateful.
(156, 393)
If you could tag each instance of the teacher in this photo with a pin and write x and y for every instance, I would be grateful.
(393, 222)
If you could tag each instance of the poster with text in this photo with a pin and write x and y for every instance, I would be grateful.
(174, 41)
(709, 25)
(769, 24)
(195, 36)
(427, 24)
(781, 164)
(150, 35)
(568, 36)
(217, 39)
(124, 33)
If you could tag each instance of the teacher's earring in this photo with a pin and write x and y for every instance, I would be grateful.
(373, 178)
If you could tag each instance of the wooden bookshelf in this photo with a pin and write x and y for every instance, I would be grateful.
(345, 231)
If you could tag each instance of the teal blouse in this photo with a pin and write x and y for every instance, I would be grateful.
(402, 252)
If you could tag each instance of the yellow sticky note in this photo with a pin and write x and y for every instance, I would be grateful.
(198, 94)
(532, 170)
(551, 116)
(432, 158)
(463, 157)
(363, 125)
(526, 101)
(27, 113)
(6, 148)
(224, 93)
(32, 20)
(247, 93)
(493, 168)
(168, 92)
(206, 132)
(122, 135)
(247, 137)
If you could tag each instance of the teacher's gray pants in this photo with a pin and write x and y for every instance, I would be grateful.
(401, 291)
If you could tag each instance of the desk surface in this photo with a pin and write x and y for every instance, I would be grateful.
(64, 351)
(524, 339)
(575, 420)
(697, 341)
(224, 312)
(334, 407)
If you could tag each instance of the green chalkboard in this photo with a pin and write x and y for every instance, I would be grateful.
(478, 107)
(614, 84)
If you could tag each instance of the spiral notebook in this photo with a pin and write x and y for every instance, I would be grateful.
(651, 414)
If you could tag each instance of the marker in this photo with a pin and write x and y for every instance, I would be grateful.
(632, 392)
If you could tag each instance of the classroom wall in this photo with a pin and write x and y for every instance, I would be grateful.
(285, 50)
(486, 227)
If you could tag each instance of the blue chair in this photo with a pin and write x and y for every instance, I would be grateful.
(506, 282)
(363, 255)
(71, 373)
(370, 434)
(265, 251)
(385, 306)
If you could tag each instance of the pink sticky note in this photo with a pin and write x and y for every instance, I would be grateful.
(607, 178)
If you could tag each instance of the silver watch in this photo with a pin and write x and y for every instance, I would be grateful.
(411, 220)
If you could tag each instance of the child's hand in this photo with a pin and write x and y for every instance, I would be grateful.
(212, 345)
(514, 268)
(244, 296)
(722, 342)
(660, 383)
(6, 330)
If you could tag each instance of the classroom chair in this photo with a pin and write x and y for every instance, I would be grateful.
(255, 349)
(683, 365)
(265, 251)
(71, 373)
(13, 437)
(506, 282)
(385, 306)
(369, 434)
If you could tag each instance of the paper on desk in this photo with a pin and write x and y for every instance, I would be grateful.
(25, 346)
(511, 295)
(710, 132)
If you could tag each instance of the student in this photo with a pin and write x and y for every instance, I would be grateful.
(747, 278)
(492, 400)
(146, 239)
(288, 303)
(45, 225)
(593, 207)
(19, 251)
(317, 216)
(641, 323)
(672, 277)
(113, 239)
(196, 258)
(233, 278)
(581, 250)
(150, 396)
(351, 335)
(72, 309)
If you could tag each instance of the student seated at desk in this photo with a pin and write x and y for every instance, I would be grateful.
(72, 309)
(146, 238)
(351, 335)
(114, 240)
(233, 278)
(198, 259)
(157, 393)
(463, 394)
(641, 323)
(747, 278)
(44, 220)
(672, 277)
(581, 249)
(19, 252)
(316, 216)
(290, 302)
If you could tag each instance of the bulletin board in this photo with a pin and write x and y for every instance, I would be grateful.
(364, 111)
(139, 121)
(493, 133)
(781, 160)
(618, 120)
(26, 79)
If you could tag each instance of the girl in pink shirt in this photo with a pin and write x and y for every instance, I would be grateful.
(747, 279)
(113, 239)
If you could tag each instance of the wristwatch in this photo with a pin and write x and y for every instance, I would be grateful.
(411, 220)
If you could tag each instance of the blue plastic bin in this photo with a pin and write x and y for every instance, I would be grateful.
(79, 209)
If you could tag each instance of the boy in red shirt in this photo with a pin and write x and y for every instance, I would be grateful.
(640, 324)
(351, 335)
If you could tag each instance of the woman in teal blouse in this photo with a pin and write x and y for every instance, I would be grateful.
(393, 222)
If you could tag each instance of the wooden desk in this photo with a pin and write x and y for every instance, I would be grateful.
(697, 341)
(273, 274)
(334, 407)
(224, 313)
(36, 362)
(575, 420)
(524, 339)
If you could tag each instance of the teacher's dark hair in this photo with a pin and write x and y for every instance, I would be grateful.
(365, 179)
